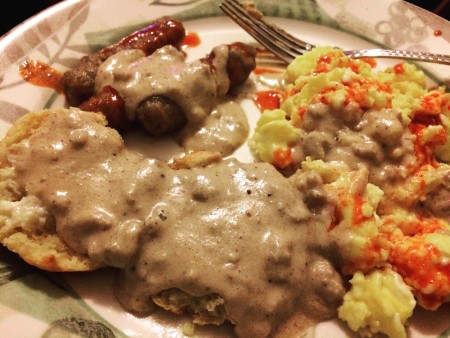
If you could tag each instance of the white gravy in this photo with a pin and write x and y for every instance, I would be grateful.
(240, 230)
(196, 87)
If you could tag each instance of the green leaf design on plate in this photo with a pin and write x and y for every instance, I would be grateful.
(67, 327)
(306, 10)
(47, 297)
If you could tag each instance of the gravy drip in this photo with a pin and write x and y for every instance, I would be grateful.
(223, 130)
(198, 88)
(240, 230)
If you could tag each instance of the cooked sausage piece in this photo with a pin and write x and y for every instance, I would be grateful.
(110, 104)
(159, 115)
(79, 82)
(241, 62)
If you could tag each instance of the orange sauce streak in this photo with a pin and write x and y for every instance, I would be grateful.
(267, 99)
(323, 62)
(326, 58)
(41, 74)
(399, 68)
(301, 111)
(266, 70)
(371, 61)
(191, 40)
(282, 157)
(424, 152)
(417, 263)
(358, 217)
(432, 103)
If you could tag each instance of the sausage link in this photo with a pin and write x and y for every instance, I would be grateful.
(159, 115)
(79, 82)
(109, 103)
(241, 62)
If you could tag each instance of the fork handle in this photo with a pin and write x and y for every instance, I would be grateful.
(400, 54)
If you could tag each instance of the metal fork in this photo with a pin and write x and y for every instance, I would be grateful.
(287, 46)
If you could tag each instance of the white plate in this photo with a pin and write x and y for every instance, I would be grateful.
(32, 303)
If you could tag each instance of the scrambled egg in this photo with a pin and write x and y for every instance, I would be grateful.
(327, 75)
(398, 233)
(380, 300)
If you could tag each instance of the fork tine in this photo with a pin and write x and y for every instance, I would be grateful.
(288, 46)
(288, 39)
(254, 30)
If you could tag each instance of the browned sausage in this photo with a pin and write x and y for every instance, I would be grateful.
(241, 62)
(158, 115)
(110, 104)
(79, 82)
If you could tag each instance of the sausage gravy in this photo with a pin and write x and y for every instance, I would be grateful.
(196, 87)
(239, 230)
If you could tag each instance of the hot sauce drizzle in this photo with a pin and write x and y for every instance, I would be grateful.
(267, 99)
(283, 157)
(41, 74)
(192, 39)
(267, 70)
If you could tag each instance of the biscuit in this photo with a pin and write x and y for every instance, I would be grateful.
(26, 228)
